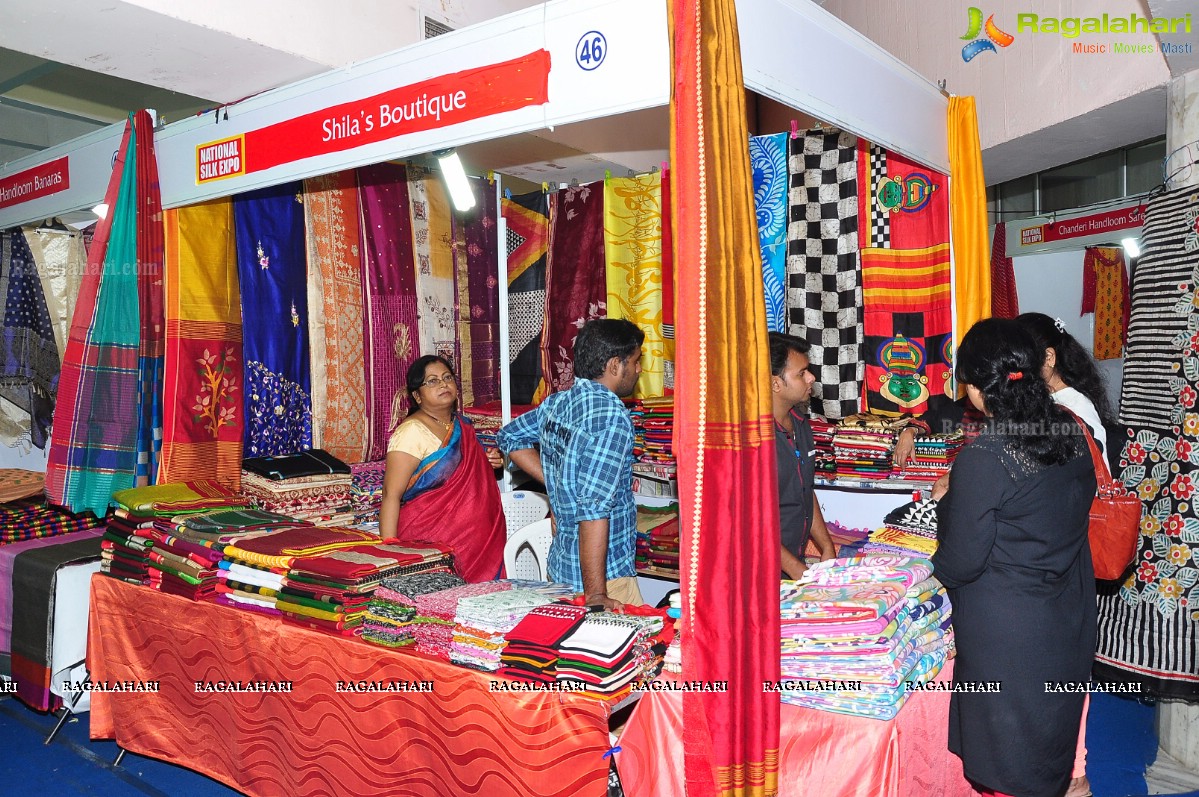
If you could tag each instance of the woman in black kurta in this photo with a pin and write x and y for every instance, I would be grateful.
(1014, 557)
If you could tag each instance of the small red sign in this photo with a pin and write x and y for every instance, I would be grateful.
(1095, 224)
(42, 180)
(438, 102)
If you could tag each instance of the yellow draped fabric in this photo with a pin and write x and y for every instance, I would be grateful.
(633, 251)
(202, 399)
(968, 217)
(724, 435)
(432, 241)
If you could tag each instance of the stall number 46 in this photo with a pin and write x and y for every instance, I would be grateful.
(591, 50)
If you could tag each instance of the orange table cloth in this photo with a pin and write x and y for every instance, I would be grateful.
(821, 754)
(460, 738)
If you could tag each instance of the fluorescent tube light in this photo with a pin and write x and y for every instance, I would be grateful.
(455, 180)
(1132, 247)
(101, 210)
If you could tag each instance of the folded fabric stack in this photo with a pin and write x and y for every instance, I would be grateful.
(531, 652)
(857, 633)
(482, 623)
(822, 434)
(657, 419)
(254, 566)
(391, 613)
(175, 498)
(32, 518)
(135, 550)
(309, 485)
(215, 529)
(366, 491)
(435, 612)
(636, 412)
(658, 539)
(932, 457)
(332, 591)
(843, 536)
(656, 479)
(608, 652)
(910, 530)
(487, 420)
(250, 587)
(862, 447)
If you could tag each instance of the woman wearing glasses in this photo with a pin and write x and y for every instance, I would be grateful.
(440, 484)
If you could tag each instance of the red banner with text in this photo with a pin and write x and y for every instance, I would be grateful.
(42, 180)
(437, 102)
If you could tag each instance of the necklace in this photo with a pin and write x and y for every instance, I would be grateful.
(444, 424)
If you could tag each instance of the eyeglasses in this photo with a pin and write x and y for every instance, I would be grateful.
(438, 381)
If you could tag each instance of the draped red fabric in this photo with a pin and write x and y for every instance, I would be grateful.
(1004, 302)
(464, 513)
(723, 432)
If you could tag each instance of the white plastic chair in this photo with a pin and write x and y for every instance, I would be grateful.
(522, 507)
(527, 553)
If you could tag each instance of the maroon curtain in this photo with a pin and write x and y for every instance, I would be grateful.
(389, 310)
(1004, 303)
(575, 287)
(483, 290)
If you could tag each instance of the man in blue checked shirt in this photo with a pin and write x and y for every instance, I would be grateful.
(586, 463)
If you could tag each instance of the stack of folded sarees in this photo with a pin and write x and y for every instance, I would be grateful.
(482, 622)
(313, 486)
(858, 633)
(531, 652)
(390, 617)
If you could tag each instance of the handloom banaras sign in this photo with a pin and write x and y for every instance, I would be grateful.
(1072, 27)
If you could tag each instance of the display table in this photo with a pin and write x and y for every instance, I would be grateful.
(821, 754)
(460, 738)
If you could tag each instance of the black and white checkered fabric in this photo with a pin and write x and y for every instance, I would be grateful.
(880, 219)
(824, 284)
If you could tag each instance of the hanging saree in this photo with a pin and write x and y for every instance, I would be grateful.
(1004, 301)
(152, 336)
(60, 258)
(390, 340)
(481, 311)
(1149, 621)
(729, 521)
(272, 273)
(452, 499)
(1105, 293)
(335, 312)
(29, 361)
(824, 283)
(768, 160)
(908, 305)
(93, 450)
(633, 251)
(575, 285)
(432, 244)
(202, 405)
(528, 221)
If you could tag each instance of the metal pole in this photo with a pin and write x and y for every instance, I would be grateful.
(502, 275)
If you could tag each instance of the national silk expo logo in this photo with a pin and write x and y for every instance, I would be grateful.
(977, 45)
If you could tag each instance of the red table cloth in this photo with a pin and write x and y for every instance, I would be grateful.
(821, 754)
(461, 738)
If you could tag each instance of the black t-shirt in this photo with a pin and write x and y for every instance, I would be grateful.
(796, 473)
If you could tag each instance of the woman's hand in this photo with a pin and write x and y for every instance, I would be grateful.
(494, 458)
(940, 487)
(905, 448)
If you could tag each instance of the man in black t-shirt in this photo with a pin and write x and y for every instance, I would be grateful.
(799, 511)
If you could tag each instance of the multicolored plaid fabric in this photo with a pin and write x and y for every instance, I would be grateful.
(93, 450)
(33, 518)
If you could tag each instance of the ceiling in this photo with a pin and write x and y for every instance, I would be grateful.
(179, 67)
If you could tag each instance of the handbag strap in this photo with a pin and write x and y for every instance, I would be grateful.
(1101, 470)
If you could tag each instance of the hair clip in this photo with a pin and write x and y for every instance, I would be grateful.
(1015, 376)
(1059, 324)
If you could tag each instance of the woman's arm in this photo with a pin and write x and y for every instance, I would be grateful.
(967, 517)
(400, 467)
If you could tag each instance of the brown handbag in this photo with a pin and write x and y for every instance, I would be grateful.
(1115, 519)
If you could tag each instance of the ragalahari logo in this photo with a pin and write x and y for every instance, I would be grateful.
(994, 35)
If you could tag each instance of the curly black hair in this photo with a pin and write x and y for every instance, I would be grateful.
(1002, 360)
(1074, 364)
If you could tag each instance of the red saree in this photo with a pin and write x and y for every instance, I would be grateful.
(452, 499)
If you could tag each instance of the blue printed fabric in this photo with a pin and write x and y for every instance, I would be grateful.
(768, 158)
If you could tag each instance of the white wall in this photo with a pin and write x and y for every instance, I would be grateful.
(1051, 283)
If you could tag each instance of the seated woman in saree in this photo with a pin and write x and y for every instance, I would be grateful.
(440, 484)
